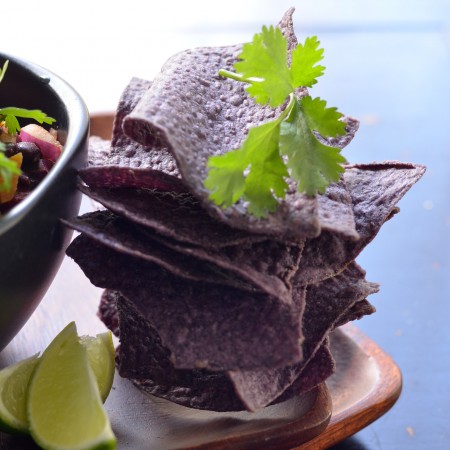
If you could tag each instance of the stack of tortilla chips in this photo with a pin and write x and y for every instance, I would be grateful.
(216, 309)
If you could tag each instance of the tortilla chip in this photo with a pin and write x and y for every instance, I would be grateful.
(336, 211)
(375, 190)
(98, 150)
(200, 388)
(319, 368)
(175, 215)
(268, 265)
(130, 97)
(122, 236)
(125, 152)
(125, 163)
(356, 312)
(107, 310)
(195, 113)
(328, 304)
(215, 392)
(202, 325)
(129, 177)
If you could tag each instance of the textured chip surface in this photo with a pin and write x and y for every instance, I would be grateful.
(195, 113)
(203, 325)
(375, 190)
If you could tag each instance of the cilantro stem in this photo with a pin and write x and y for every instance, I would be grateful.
(3, 69)
(238, 77)
(287, 111)
(229, 74)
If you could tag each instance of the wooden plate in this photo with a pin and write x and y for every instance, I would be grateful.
(366, 384)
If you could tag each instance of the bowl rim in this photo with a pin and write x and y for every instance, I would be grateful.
(77, 131)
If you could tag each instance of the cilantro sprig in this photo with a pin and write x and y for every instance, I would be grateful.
(287, 146)
(10, 115)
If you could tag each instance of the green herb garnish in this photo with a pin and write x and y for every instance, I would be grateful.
(286, 146)
(10, 114)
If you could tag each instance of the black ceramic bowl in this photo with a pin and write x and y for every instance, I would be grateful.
(32, 240)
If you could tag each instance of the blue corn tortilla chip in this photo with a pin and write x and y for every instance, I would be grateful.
(196, 388)
(195, 113)
(328, 304)
(215, 392)
(107, 310)
(205, 325)
(125, 152)
(127, 177)
(266, 266)
(175, 215)
(216, 309)
(375, 190)
(113, 231)
(123, 162)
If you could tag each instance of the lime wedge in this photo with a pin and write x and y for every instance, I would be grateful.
(14, 381)
(101, 354)
(64, 407)
(13, 388)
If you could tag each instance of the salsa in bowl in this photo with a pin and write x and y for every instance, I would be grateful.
(32, 241)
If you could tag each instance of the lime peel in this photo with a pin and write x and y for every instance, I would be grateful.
(64, 407)
(14, 380)
(58, 397)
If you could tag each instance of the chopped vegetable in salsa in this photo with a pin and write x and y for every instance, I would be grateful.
(26, 153)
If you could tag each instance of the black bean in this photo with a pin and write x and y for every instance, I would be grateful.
(30, 152)
(10, 150)
(24, 182)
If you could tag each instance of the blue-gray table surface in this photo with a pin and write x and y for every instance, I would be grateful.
(395, 77)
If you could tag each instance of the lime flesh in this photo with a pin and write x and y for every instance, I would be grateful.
(100, 350)
(64, 406)
(14, 381)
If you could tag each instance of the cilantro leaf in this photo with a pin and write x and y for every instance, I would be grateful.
(326, 121)
(286, 147)
(265, 178)
(12, 124)
(226, 179)
(10, 115)
(264, 184)
(254, 172)
(312, 164)
(304, 59)
(8, 169)
(264, 65)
